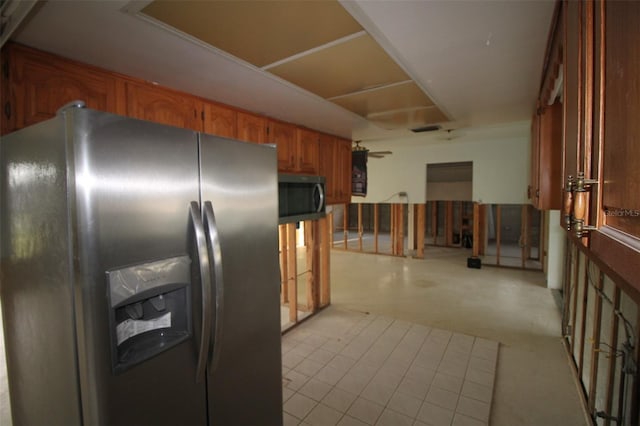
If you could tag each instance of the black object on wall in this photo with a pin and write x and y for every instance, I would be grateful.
(359, 173)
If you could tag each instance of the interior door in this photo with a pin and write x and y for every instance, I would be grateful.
(245, 373)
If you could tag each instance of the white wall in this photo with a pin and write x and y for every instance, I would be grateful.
(500, 165)
(555, 239)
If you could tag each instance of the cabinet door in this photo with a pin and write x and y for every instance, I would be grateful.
(42, 83)
(219, 120)
(307, 151)
(251, 128)
(327, 147)
(548, 184)
(572, 95)
(533, 189)
(621, 145)
(163, 106)
(343, 170)
(284, 136)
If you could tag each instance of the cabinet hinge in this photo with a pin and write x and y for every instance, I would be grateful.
(7, 109)
(202, 115)
(268, 128)
(5, 69)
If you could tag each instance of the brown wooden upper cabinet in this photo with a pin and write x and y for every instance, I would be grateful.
(545, 187)
(40, 83)
(621, 144)
(284, 136)
(220, 120)
(251, 128)
(148, 102)
(306, 151)
(335, 165)
(297, 147)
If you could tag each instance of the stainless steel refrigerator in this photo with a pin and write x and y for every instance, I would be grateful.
(140, 280)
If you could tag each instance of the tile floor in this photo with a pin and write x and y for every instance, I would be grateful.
(349, 368)
(533, 382)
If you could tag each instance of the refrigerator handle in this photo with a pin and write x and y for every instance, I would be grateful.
(213, 244)
(205, 278)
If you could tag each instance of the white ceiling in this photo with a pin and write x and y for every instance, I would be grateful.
(480, 61)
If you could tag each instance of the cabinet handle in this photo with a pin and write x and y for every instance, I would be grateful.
(7, 110)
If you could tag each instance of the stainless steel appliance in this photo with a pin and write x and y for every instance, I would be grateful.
(140, 278)
(300, 197)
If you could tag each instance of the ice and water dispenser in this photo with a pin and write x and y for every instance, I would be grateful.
(149, 309)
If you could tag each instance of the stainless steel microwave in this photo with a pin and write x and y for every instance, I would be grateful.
(300, 197)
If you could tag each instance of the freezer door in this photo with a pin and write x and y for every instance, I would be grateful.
(136, 270)
(36, 296)
(245, 377)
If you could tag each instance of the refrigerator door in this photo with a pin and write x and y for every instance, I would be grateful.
(245, 377)
(137, 256)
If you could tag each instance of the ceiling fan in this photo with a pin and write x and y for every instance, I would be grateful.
(371, 154)
(450, 134)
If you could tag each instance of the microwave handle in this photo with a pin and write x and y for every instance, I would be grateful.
(320, 190)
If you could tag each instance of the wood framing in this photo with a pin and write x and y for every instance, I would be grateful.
(498, 233)
(583, 320)
(448, 223)
(284, 281)
(325, 233)
(345, 226)
(376, 225)
(434, 222)
(420, 222)
(476, 230)
(331, 228)
(360, 226)
(613, 343)
(292, 273)
(595, 344)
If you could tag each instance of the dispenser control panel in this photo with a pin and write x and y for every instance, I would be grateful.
(149, 309)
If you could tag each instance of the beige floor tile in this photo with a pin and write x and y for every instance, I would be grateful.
(392, 418)
(405, 404)
(315, 389)
(299, 405)
(339, 399)
(473, 408)
(365, 410)
(442, 398)
(322, 415)
(476, 391)
(435, 415)
(351, 421)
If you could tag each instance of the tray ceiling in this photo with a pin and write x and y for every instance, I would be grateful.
(317, 46)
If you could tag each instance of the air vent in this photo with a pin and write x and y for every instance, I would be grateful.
(431, 128)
